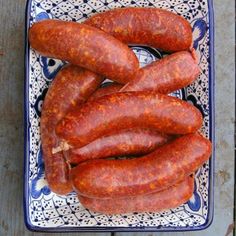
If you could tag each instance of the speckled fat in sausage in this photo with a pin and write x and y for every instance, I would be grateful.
(147, 26)
(84, 46)
(71, 87)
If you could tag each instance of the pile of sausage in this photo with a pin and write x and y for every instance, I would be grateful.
(83, 127)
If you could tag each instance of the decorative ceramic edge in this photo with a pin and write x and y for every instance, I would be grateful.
(209, 218)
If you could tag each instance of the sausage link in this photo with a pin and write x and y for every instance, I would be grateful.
(171, 73)
(71, 86)
(154, 172)
(125, 142)
(111, 88)
(84, 46)
(124, 110)
(148, 26)
(172, 197)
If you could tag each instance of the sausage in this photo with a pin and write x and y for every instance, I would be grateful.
(148, 26)
(172, 197)
(111, 88)
(122, 143)
(171, 73)
(71, 86)
(84, 46)
(124, 110)
(137, 141)
(154, 172)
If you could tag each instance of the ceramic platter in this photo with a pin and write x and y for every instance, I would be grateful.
(46, 211)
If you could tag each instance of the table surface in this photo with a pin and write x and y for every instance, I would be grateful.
(11, 122)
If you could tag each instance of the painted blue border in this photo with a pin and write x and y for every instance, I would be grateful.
(26, 120)
(122, 229)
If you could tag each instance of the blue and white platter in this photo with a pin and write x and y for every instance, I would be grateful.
(47, 211)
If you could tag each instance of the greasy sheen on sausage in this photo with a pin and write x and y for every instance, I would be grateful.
(71, 87)
(109, 89)
(124, 110)
(169, 198)
(138, 141)
(171, 73)
(84, 46)
(147, 26)
(169, 164)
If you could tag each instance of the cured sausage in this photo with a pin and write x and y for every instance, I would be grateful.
(122, 143)
(124, 110)
(171, 73)
(138, 141)
(71, 86)
(84, 46)
(154, 172)
(172, 197)
(111, 88)
(148, 26)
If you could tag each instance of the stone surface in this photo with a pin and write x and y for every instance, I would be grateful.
(11, 121)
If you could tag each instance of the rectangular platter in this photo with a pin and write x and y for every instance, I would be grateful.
(46, 211)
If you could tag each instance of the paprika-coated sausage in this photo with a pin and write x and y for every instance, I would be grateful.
(137, 141)
(111, 88)
(124, 110)
(172, 197)
(157, 171)
(84, 46)
(147, 26)
(71, 86)
(171, 73)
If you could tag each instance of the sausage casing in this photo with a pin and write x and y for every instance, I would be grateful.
(71, 86)
(137, 141)
(172, 197)
(111, 88)
(124, 110)
(84, 46)
(154, 172)
(171, 73)
(149, 26)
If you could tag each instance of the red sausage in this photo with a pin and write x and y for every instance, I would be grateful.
(154, 172)
(111, 88)
(166, 75)
(172, 197)
(84, 46)
(71, 86)
(125, 142)
(150, 26)
(117, 111)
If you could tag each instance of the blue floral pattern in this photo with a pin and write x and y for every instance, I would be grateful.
(199, 31)
(39, 184)
(194, 202)
(50, 67)
(42, 16)
(39, 102)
